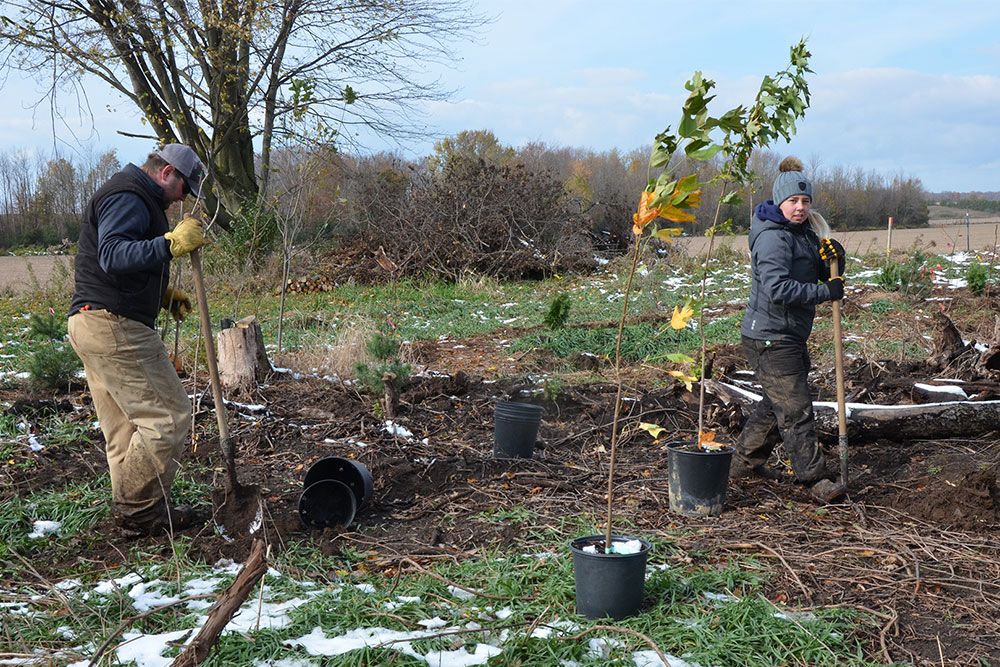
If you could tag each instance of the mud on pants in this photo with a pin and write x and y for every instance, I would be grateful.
(785, 414)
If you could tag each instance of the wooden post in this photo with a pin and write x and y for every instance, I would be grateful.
(888, 238)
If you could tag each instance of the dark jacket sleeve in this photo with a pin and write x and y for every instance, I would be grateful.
(122, 221)
(772, 255)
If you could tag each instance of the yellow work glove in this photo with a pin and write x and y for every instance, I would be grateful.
(186, 237)
(177, 302)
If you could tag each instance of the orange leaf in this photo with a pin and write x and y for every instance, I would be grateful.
(644, 215)
(675, 214)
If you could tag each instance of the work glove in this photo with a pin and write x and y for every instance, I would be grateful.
(177, 302)
(186, 237)
(836, 286)
(830, 249)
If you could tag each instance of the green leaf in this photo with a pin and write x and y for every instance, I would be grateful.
(732, 198)
(660, 157)
(679, 358)
(706, 153)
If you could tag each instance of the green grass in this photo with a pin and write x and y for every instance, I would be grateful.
(681, 613)
(640, 342)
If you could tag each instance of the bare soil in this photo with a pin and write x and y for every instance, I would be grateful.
(915, 546)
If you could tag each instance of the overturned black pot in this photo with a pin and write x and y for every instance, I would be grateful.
(608, 585)
(515, 429)
(335, 490)
(698, 478)
(327, 504)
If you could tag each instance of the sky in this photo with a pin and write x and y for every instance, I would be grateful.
(907, 87)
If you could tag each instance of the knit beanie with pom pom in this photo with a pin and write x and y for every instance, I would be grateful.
(791, 181)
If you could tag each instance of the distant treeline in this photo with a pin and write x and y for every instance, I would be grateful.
(42, 199)
(984, 205)
(473, 204)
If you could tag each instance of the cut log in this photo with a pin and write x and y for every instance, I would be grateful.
(866, 422)
(243, 362)
(225, 608)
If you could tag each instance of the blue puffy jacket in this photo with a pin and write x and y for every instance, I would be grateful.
(786, 270)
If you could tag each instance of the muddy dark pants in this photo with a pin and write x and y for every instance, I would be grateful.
(785, 413)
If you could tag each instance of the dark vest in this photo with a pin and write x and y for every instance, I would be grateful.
(136, 296)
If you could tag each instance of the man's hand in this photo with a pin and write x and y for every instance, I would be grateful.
(836, 286)
(186, 237)
(829, 250)
(177, 302)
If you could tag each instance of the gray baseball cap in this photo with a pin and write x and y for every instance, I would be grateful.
(184, 160)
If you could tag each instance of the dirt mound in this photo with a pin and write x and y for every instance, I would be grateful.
(970, 501)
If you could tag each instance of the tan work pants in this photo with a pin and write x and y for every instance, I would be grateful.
(141, 404)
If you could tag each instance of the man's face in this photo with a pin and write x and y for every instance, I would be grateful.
(796, 208)
(172, 183)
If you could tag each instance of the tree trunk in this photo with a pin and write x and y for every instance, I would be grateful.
(243, 362)
(225, 608)
(888, 422)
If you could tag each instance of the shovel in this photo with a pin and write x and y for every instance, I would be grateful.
(239, 500)
(838, 352)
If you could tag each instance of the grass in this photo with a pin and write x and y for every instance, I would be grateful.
(708, 615)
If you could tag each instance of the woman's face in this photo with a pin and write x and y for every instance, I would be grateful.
(796, 208)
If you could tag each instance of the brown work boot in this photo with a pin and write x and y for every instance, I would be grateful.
(742, 468)
(171, 520)
(825, 492)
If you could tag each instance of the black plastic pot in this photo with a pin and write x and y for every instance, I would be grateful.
(608, 585)
(327, 504)
(347, 471)
(698, 478)
(515, 429)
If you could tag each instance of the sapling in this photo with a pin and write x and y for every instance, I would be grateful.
(780, 101)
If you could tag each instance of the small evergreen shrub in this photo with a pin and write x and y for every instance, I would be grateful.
(385, 350)
(977, 276)
(53, 363)
(558, 313)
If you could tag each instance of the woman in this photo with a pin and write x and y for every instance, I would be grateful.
(790, 276)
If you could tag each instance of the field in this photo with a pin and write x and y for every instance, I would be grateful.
(461, 558)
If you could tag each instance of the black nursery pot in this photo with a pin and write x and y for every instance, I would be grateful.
(352, 473)
(698, 478)
(608, 585)
(335, 490)
(515, 429)
(327, 504)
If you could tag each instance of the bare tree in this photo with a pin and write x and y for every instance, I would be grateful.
(218, 75)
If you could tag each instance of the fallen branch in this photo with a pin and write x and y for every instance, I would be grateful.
(868, 422)
(225, 608)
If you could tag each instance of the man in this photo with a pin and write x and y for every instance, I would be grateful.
(122, 277)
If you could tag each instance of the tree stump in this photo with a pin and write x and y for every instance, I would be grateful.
(243, 362)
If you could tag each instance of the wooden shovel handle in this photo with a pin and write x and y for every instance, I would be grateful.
(213, 366)
(838, 352)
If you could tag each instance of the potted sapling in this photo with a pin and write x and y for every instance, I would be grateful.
(610, 569)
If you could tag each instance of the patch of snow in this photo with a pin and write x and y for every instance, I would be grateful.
(944, 389)
(626, 547)
(317, 643)
(392, 428)
(718, 597)
(145, 596)
(43, 528)
(650, 659)
(601, 647)
(433, 623)
(147, 650)
(365, 588)
(461, 593)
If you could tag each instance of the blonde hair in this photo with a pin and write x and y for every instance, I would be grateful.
(819, 225)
